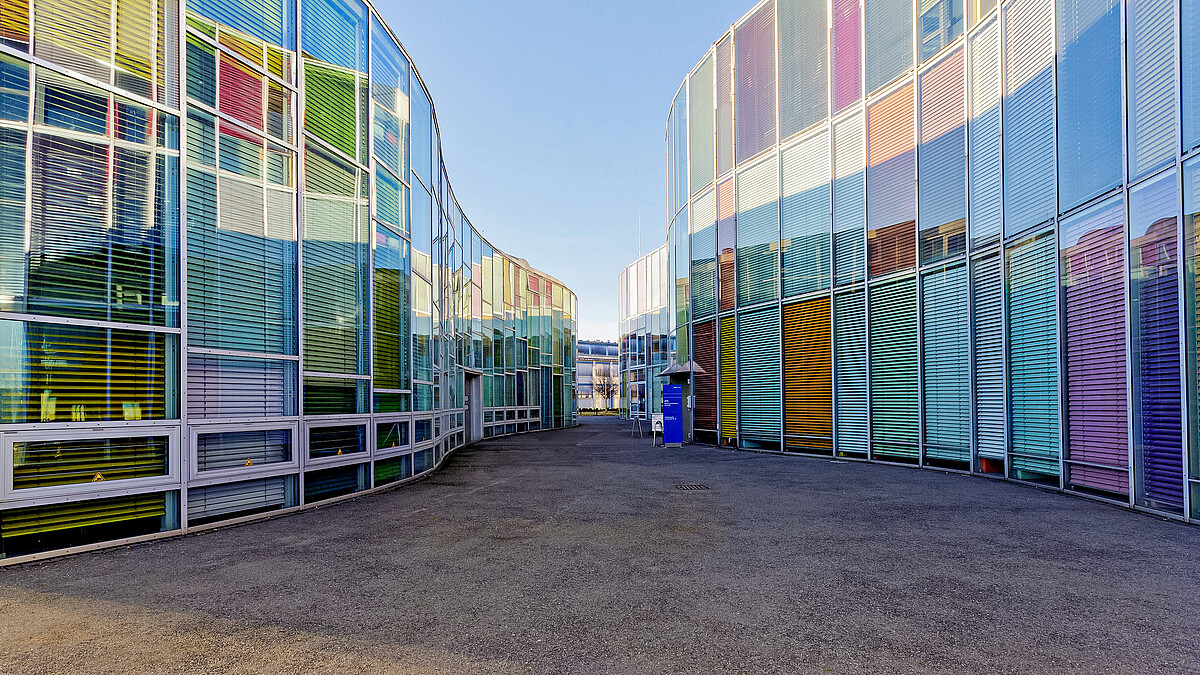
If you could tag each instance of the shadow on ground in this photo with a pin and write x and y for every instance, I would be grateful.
(573, 552)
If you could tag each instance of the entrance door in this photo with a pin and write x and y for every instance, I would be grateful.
(473, 389)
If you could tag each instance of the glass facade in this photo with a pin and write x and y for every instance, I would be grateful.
(972, 243)
(645, 345)
(234, 277)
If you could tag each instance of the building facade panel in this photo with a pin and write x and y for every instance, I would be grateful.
(234, 277)
(1010, 215)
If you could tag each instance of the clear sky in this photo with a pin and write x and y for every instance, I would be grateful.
(553, 117)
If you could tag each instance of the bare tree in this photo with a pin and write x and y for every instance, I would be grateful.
(604, 382)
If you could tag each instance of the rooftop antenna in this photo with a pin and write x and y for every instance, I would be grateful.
(639, 233)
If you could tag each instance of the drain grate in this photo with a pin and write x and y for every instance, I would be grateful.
(693, 486)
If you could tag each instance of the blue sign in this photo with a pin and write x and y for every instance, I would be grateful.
(673, 414)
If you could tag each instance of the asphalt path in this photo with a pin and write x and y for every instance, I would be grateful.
(573, 551)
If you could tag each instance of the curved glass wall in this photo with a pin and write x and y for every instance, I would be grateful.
(234, 277)
(946, 235)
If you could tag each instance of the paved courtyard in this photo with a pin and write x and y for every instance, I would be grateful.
(573, 552)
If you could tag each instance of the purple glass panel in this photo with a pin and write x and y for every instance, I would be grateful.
(1154, 259)
(1093, 268)
(847, 53)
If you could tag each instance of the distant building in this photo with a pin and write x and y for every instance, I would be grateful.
(642, 304)
(595, 363)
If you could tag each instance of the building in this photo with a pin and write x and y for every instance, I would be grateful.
(642, 301)
(234, 277)
(899, 232)
(595, 371)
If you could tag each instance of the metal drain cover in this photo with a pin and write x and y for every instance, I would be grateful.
(693, 486)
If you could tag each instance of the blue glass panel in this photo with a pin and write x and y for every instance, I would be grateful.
(270, 20)
(336, 32)
(1089, 99)
(14, 89)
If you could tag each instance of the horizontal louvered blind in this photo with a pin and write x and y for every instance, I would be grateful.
(1191, 74)
(704, 249)
(271, 21)
(726, 246)
(808, 377)
(728, 377)
(1028, 114)
(945, 323)
(704, 335)
(849, 200)
(847, 53)
(149, 509)
(241, 278)
(850, 373)
(1154, 290)
(62, 373)
(983, 135)
(224, 501)
(759, 404)
(1089, 99)
(240, 449)
(701, 138)
(1153, 106)
(988, 316)
(335, 31)
(329, 106)
(758, 232)
(233, 387)
(1033, 357)
(724, 83)
(894, 374)
(942, 161)
(336, 441)
(1093, 278)
(754, 68)
(39, 464)
(892, 183)
(334, 285)
(335, 482)
(803, 64)
(806, 215)
(889, 41)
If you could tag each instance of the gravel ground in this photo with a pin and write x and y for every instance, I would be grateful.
(573, 552)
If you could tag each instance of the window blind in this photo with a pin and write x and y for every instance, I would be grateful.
(847, 53)
(1093, 278)
(217, 502)
(889, 41)
(850, 373)
(946, 362)
(758, 232)
(1153, 104)
(808, 377)
(1154, 324)
(724, 83)
(1033, 358)
(236, 387)
(335, 482)
(728, 378)
(754, 56)
(240, 449)
(983, 136)
(892, 183)
(803, 64)
(726, 245)
(849, 200)
(701, 157)
(335, 31)
(942, 160)
(760, 404)
(704, 336)
(1028, 114)
(39, 464)
(806, 215)
(1089, 99)
(988, 342)
(894, 374)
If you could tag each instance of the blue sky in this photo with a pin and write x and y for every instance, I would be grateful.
(552, 117)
